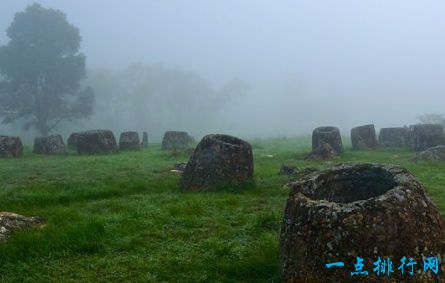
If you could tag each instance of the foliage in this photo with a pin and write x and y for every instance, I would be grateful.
(159, 98)
(41, 70)
(432, 119)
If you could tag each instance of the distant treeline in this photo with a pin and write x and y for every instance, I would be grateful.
(156, 98)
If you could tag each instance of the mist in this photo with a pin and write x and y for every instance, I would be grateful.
(255, 68)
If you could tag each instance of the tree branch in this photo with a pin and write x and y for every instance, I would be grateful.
(53, 126)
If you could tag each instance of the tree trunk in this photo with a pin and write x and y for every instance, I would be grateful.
(43, 129)
(42, 106)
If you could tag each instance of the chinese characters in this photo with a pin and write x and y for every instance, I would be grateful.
(386, 267)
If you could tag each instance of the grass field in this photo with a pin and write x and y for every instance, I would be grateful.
(121, 218)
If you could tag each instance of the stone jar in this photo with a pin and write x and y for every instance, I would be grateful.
(362, 210)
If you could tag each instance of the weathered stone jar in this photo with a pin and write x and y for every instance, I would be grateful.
(217, 161)
(323, 152)
(52, 144)
(436, 153)
(129, 141)
(364, 137)
(329, 135)
(364, 210)
(427, 135)
(10, 147)
(144, 143)
(394, 137)
(174, 140)
(71, 143)
(96, 142)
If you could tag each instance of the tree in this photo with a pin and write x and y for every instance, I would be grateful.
(157, 97)
(41, 70)
(432, 119)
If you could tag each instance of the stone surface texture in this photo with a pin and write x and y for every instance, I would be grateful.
(365, 210)
(71, 143)
(364, 137)
(436, 153)
(96, 142)
(329, 135)
(10, 146)
(427, 135)
(395, 137)
(218, 160)
(144, 143)
(49, 145)
(322, 152)
(11, 222)
(129, 141)
(174, 140)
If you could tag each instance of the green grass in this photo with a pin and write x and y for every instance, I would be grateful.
(121, 218)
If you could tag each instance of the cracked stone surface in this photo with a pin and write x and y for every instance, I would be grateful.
(52, 144)
(10, 146)
(129, 141)
(436, 153)
(427, 135)
(287, 170)
(365, 210)
(96, 142)
(174, 140)
(395, 137)
(144, 143)
(323, 152)
(71, 143)
(11, 222)
(218, 160)
(329, 135)
(364, 137)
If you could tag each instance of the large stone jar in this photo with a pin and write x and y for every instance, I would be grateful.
(365, 211)
(52, 144)
(364, 137)
(96, 142)
(395, 137)
(427, 135)
(10, 147)
(174, 140)
(329, 135)
(218, 161)
(129, 141)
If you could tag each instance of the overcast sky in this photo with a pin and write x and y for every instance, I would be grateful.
(309, 62)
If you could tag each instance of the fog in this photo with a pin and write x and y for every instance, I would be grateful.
(256, 68)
